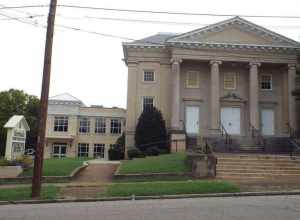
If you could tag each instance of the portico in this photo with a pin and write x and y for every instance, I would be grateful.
(233, 75)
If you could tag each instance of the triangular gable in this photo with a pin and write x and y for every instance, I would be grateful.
(14, 121)
(235, 31)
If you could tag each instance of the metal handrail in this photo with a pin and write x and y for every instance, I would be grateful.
(224, 132)
(257, 135)
(294, 139)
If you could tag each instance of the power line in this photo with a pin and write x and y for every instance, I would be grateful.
(154, 12)
(177, 12)
(161, 22)
(23, 6)
(27, 17)
(36, 24)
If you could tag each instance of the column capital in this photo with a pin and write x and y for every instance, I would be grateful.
(254, 64)
(219, 62)
(291, 66)
(176, 60)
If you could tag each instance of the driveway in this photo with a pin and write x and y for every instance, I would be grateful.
(236, 208)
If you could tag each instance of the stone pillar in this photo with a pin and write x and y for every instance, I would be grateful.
(254, 95)
(291, 98)
(175, 116)
(285, 101)
(215, 95)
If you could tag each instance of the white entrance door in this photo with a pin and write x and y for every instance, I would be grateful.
(267, 121)
(231, 120)
(192, 119)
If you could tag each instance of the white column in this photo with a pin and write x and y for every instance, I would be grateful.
(175, 116)
(215, 94)
(254, 94)
(291, 98)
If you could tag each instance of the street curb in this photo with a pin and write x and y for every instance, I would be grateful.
(184, 196)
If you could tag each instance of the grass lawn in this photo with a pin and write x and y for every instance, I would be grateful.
(23, 193)
(171, 163)
(169, 188)
(58, 167)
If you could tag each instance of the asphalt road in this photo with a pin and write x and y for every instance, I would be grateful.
(252, 208)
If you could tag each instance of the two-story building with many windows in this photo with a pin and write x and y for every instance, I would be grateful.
(74, 130)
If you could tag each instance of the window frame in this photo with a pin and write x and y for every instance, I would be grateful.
(234, 80)
(100, 125)
(113, 128)
(187, 79)
(81, 153)
(147, 97)
(63, 123)
(87, 127)
(101, 153)
(147, 71)
(59, 154)
(261, 82)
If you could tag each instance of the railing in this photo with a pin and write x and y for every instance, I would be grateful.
(294, 139)
(228, 139)
(256, 135)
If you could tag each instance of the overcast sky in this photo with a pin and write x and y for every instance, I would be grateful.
(90, 66)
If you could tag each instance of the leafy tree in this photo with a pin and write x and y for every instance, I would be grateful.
(151, 130)
(16, 102)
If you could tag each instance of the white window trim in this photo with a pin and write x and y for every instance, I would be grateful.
(153, 97)
(59, 145)
(61, 116)
(235, 81)
(187, 77)
(105, 126)
(120, 121)
(149, 70)
(260, 82)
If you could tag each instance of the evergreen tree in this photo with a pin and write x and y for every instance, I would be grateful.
(151, 130)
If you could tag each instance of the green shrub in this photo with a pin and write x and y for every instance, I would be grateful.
(151, 130)
(4, 162)
(115, 153)
(152, 151)
(135, 153)
(25, 161)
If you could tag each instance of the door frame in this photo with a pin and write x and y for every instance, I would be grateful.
(235, 106)
(274, 121)
(185, 118)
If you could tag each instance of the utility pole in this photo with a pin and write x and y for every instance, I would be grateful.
(38, 161)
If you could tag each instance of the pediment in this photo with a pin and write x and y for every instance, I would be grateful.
(232, 97)
(235, 31)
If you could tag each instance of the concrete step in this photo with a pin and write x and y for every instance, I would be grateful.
(259, 166)
(247, 175)
(262, 160)
(259, 171)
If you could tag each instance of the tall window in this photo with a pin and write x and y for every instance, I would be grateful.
(229, 81)
(61, 123)
(148, 75)
(266, 82)
(100, 125)
(59, 150)
(83, 150)
(84, 125)
(148, 102)
(192, 79)
(115, 126)
(99, 150)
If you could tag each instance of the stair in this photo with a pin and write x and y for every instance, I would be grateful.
(251, 148)
(258, 167)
